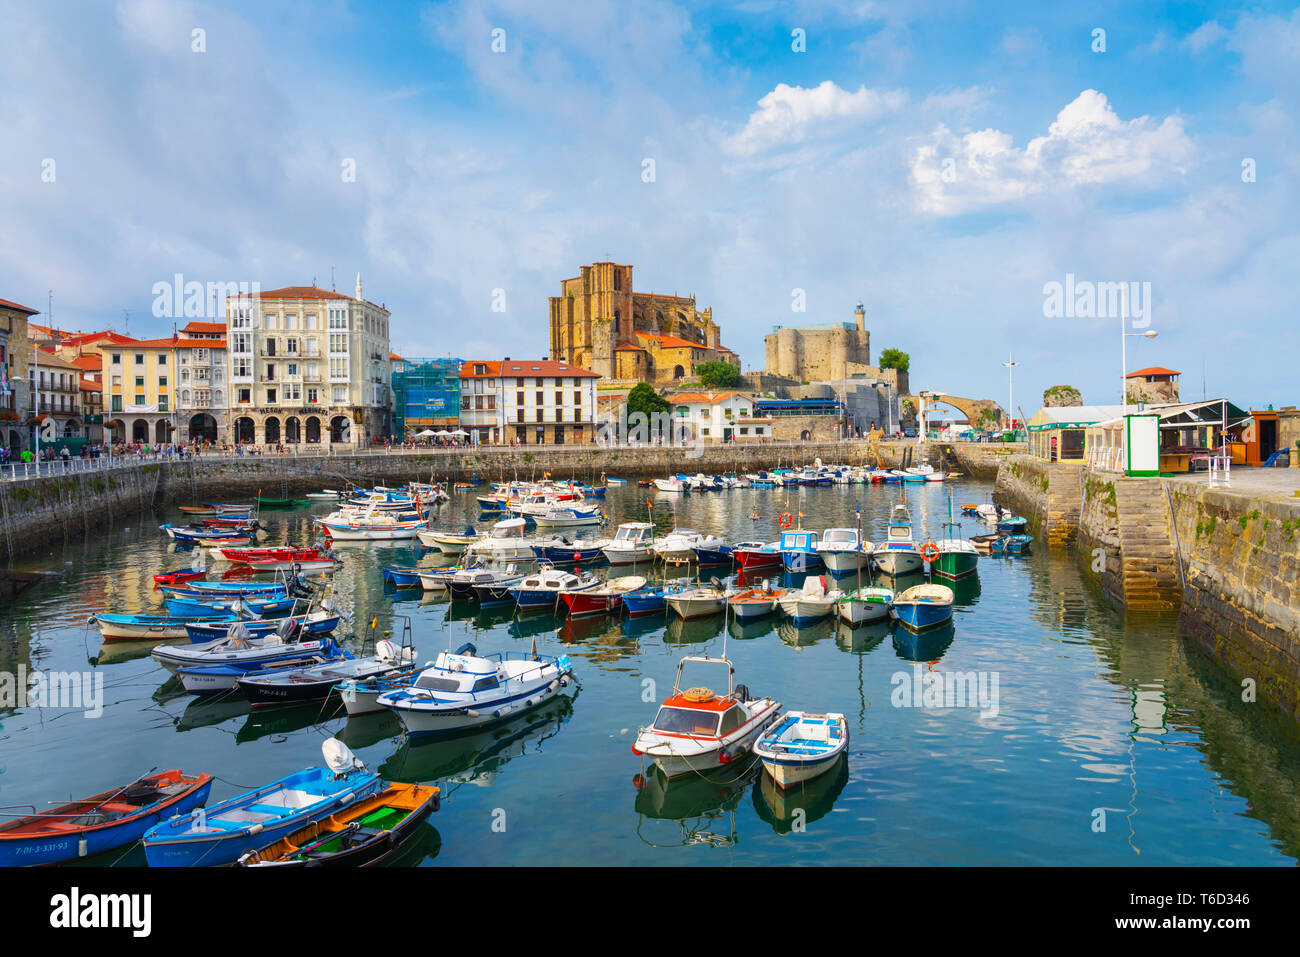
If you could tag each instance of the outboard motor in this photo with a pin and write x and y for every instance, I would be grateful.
(742, 693)
(289, 631)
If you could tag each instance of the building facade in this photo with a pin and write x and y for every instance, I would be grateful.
(15, 401)
(600, 324)
(203, 393)
(719, 417)
(139, 389)
(542, 402)
(308, 365)
(426, 395)
(58, 393)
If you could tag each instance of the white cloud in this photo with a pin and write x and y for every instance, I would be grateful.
(791, 114)
(1205, 36)
(1086, 144)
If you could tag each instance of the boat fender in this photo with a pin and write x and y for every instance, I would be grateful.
(471, 712)
(496, 713)
(554, 685)
(724, 757)
(255, 829)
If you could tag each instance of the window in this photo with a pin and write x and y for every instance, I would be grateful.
(340, 395)
(117, 358)
(313, 396)
(539, 415)
(540, 401)
(245, 395)
(139, 382)
(162, 382)
(559, 398)
(139, 358)
(486, 684)
(464, 403)
(577, 398)
(162, 403)
(519, 398)
(117, 403)
(270, 397)
(293, 368)
(162, 358)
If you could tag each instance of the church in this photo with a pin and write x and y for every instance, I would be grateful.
(599, 323)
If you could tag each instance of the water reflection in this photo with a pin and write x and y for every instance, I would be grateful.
(791, 809)
(694, 803)
(925, 646)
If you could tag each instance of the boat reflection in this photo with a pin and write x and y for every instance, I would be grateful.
(791, 809)
(802, 636)
(363, 730)
(423, 845)
(926, 646)
(288, 718)
(477, 756)
(965, 591)
(753, 628)
(693, 802)
(117, 652)
(863, 638)
(689, 631)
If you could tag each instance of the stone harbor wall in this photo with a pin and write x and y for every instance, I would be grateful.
(1048, 495)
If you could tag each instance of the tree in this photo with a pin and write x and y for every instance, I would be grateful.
(895, 359)
(643, 398)
(718, 375)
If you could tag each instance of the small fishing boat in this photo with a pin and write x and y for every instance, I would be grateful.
(708, 555)
(810, 603)
(325, 496)
(843, 550)
(924, 606)
(241, 646)
(1015, 544)
(799, 550)
(448, 543)
(605, 598)
(220, 590)
(101, 823)
(678, 546)
(321, 621)
(197, 509)
(1013, 525)
(364, 833)
(569, 517)
(754, 602)
(257, 607)
(898, 555)
(649, 600)
(561, 551)
(957, 558)
(751, 555)
(306, 566)
(464, 583)
(214, 679)
(671, 485)
(983, 543)
(151, 627)
(696, 730)
(800, 746)
(869, 603)
(543, 588)
(468, 690)
(631, 543)
(438, 579)
(498, 590)
(699, 601)
(505, 542)
(371, 525)
(179, 575)
(224, 832)
(402, 577)
(243, 556)
(264, 502)
(316, 681)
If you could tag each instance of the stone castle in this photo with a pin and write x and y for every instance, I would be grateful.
(599, 323)
(821, 353)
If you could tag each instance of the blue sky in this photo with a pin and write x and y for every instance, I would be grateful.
(940, 161)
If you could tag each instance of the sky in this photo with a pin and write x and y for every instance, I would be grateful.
(944, 163)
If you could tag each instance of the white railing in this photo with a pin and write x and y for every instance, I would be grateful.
(1220, 472)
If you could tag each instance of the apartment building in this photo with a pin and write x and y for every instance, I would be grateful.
(529, 403)
(139, 389)
(725, 416)
(203, 395)
(14, 394)
(58, 390)
(308, 365)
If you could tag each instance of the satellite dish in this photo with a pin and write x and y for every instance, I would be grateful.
(338, 757)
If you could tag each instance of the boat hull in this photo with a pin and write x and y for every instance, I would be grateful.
(898, 562)
(954, 565)
(423, 723)
(922, 616)
(842, 561)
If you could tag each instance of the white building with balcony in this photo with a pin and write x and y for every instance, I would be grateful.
(539, 402)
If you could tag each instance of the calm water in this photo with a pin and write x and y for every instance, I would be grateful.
(1096, 710)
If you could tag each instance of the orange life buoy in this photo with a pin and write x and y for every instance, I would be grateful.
(786, 520)
(929, 551)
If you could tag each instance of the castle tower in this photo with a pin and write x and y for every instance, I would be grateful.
(860, 314)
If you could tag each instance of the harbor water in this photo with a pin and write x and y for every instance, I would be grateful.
(1097, 737)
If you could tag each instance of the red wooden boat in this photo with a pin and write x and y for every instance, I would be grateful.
(598, 601)
(242, 556)
(180, 575)
(227, 523)
(755, 555)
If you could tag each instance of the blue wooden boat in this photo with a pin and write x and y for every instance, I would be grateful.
(200, 608)
(1015, 524)
(223, 676)
(315, 623)
(650, 600)
(193, 589)
(922, 607)
(799, 550)
(719, 555)
(402, 577)
(1014, 544)
(564, 553)
(800, 746)
(222, 833)
(99, 824)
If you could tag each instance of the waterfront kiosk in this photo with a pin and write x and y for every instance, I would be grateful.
(1188, 434)
(1057, 434)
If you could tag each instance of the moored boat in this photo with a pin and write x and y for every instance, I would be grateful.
(924, 606)
(869, 603)
(699, 601)
(799, 746)
(602, 599)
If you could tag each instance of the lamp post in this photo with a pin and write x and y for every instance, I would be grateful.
(1010, 365)
(1125, 335)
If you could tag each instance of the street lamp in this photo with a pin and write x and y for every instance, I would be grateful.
(1125, 336)
(1011, 404)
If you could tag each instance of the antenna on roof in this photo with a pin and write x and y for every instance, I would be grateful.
(126, 317)
(332, 289)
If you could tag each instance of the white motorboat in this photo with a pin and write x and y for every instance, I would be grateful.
(800, 746)
(505, 542)
(679, 545)
(810, 603)
(630, 544)
(370, 525)
(449, 543)
(898, 555)
(671, 485)
(697, 730)
(544, 588)
(568, 516)
(844, 550)
(467, 690)
(241, 648)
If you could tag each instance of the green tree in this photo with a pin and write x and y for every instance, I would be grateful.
(895, 359)
(643, 398)
(718, 375)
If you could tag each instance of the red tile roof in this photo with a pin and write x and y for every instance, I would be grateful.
(301, 292)
(526, 370)
(205, 327)
(90, 361)
(6, 304)
(671, 342)
(90, 385)
(395, 357)
(467, 370)
(1154, 370)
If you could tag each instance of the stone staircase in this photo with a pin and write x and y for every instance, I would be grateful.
(1149, 561)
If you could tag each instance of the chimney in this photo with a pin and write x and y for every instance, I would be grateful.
(358, 287)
